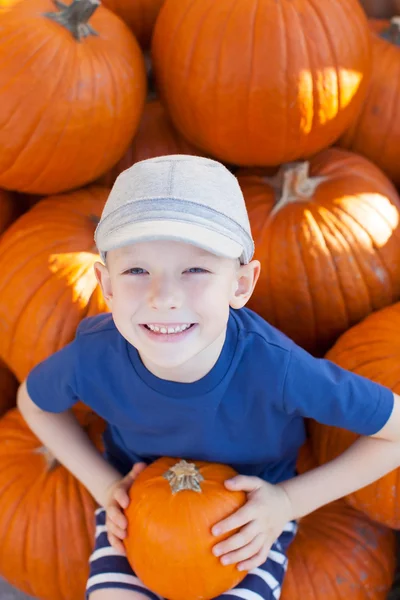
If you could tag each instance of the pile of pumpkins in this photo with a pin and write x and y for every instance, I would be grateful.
(301, 100)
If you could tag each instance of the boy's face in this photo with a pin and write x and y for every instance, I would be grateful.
(171, 301)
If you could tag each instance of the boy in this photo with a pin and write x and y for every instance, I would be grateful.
(180, 368)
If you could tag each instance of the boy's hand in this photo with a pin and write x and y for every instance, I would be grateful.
(117, 501)
(261, 521)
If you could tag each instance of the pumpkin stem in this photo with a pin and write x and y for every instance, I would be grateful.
(184, 476)
(392, 33)
(75, 17)
(51, 461)
(292, 183)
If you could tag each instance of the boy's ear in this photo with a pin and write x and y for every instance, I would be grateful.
(104, 280)
(247, 276)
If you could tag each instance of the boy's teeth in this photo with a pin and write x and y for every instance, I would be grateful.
(177, 329)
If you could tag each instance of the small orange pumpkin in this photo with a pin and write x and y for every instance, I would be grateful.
(173, 506)
(339, 554)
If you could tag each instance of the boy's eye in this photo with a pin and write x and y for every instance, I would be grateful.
(136, 271)
(196, 270)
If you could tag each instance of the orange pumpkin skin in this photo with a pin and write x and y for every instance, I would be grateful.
(79, 115)
(239, 83)
(375, 133)
(169, 542)
(139, 15)
(8, 389)
(329, 245)
(46, 515)
(48, 284)
(156, 136)
(371, 349)
(339, 554)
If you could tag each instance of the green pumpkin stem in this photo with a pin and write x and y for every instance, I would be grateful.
(392, 33)
(184, 476)
(75, 17)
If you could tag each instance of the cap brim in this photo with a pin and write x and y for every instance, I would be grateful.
(199, 236)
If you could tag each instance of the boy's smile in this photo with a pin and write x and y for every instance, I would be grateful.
(168, 332)
(171, 301)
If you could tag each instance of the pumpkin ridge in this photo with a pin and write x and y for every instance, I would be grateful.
(301, 255)
(21, 99)
(376, 249)
(63, 324)
(335, 65)
(319, 218)
(52, 149)
(310, 66)
(51, 308)
(6, 283)
(346, 236)
(395, 105)
(216, 76)
(167, 74)
(26, 139)
(253, 24)
(111, 68)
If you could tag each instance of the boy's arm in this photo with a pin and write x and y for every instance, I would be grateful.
(367, 460)
(65, 438)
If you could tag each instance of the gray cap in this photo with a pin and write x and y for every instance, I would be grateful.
(182, 198)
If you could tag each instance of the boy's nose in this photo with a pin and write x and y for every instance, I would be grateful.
(165, 295)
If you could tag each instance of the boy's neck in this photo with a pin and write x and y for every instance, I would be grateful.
(193, 370)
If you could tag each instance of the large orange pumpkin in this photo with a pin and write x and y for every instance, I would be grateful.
(327, 234)
(261, 83)
(47, 283)
(140, 15)
(371, 349)
(173, 506)
(72, 89)
(156, 136)
(339, 554)
(376, 131)
(8, 389)
(46, 515)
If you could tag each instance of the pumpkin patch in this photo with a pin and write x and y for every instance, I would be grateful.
(301, 100)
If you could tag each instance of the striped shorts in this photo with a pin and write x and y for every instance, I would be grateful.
(109, 569)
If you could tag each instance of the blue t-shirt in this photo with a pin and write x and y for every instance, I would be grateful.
(248, 411)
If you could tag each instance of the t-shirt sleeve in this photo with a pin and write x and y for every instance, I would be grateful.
(321, 390)
(52, 383)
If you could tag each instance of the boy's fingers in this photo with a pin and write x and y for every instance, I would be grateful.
(115, 515)
(116, 543)
(121, 496)
(115, 530)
